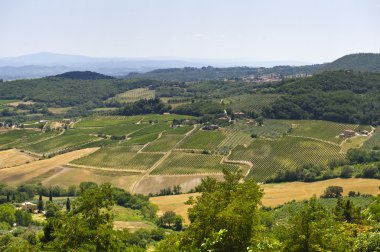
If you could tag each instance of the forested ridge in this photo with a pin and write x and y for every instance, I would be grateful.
(342, 96)
(60, 91)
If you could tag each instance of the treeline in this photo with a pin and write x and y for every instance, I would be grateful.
(67, 92)
(358, 163)
(227, 217)
(145, 106)
(342, 96)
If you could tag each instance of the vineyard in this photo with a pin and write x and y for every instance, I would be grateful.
(189, 163)
(134, 95)
(268, 156)
(68, 139)
(251, 102)
(120, 158)
(324, 130)
(374, 141)
(163, 144)
(203, 140)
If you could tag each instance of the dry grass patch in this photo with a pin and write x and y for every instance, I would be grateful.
(23, 173)
(132, 226)
(276, 194)
(13, 157)
(74, 176)
(174, 203)
(153, 184)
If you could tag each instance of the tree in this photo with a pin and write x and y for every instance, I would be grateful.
(40, 204)
(333, 192)
(23, 218)
(260, 121)
(88, 227)
(7, 214)
(346, 171)
(312, 228)
(345, 210)
(227, 205)
(68, 206)
(50, 195)
(167, 219)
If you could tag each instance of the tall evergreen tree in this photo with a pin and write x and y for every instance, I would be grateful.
(68, 205)
(40, 204)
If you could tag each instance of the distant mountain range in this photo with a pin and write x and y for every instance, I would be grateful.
(364, 62)
(48, 64)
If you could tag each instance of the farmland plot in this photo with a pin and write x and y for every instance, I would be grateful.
(103, 121)
(134, 95)
(268, 156)
(203, 140)
(163, 144)
(324, 130)
(125, 157)
(189, 163)
(374, 141)
(70, 139)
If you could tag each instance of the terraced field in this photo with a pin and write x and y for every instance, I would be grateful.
(268, 156)
(189, 163)
(203, 140)
(125, 157)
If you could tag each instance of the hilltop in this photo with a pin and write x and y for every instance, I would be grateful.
(364, 62)
(84, 75)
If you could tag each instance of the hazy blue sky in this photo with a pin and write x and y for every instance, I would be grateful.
(311, 31)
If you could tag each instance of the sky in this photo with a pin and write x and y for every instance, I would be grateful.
(312, 31)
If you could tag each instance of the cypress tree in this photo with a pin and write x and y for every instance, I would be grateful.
(68, 207)
(40, 204)
(50, 195)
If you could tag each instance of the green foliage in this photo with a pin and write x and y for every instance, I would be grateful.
(313, 228)
(342, 96)
(332, 192)
(146, 106)
(227, 205)
(67, 92)
(7, 214)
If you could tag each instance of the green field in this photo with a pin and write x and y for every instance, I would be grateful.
(16, 138)
(203, 140)
(268, 156)
(70, 139)
(125, 157)
(121, 129)
(165, 143)
(324, 130)
(251, 102)
(103, 121)
(4, 102)
(374, 141)
(134, 95)
(189, 163)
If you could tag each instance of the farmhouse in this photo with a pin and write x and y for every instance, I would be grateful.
(239, 114)
(28, 206)
(210, 127)
(349, 133)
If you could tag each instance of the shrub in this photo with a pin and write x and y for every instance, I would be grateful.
(333, 192)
